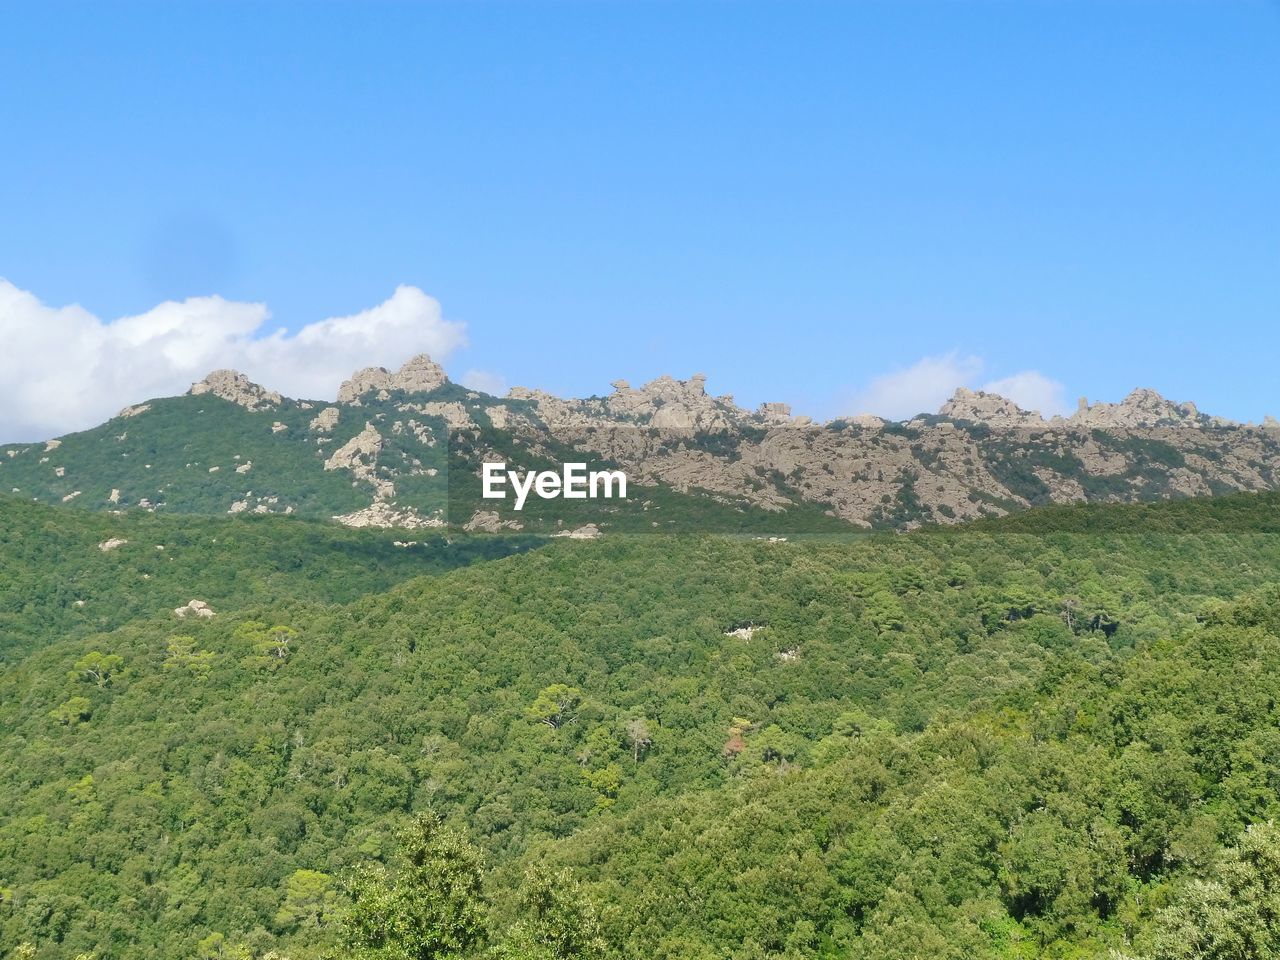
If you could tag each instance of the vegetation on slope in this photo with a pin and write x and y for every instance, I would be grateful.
(983, 744)
(56, 580)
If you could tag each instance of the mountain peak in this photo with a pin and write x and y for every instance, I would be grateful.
(1143, 408)
(420, 374)
(978, 406)
(235, 386)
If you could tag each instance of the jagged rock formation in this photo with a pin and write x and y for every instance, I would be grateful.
(989, 408)
(325, 420)
(230, 385)
(390, 448)
(360, 456)
(1143, 409)
(387, 515)
(663, 404)
(420, 374)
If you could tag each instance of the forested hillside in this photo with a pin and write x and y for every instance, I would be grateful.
(978, 743)
(70, 572)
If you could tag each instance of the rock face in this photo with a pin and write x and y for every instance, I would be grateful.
(1143, 409)
(325, 420)
(668, 433)
(239, 389)
(663, 404)
(420, 374)
(988, 408)
(386, 515)
(106, 546)
(360, 456)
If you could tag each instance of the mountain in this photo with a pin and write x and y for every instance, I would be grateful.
(403, 449)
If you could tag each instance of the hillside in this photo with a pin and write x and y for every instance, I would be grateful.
(66, 573)
(404, 449)
(981, 744)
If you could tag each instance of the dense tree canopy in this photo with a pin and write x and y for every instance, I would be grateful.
(980, 743)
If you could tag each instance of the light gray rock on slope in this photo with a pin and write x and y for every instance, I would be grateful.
(239, 389)
(419, 374)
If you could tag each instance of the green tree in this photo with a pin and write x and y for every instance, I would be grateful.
(74, 711)
(97, 667)
(181, 654)
(639, 736)
(427, 905)
(558, 921)
(555, 705)
(309, 900)
(1233, 915)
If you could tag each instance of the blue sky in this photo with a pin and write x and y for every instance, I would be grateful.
(795, 198)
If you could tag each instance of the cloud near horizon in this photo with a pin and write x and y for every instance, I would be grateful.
(64, 369)
(930, 382)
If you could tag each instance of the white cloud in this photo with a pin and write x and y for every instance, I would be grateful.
(485, 381)
(920, 388)
(1032, 390)
(62, 368)
(928, 383)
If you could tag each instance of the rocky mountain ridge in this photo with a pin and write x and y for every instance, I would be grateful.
(403, 447)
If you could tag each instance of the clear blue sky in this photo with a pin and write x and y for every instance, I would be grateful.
(793, 197)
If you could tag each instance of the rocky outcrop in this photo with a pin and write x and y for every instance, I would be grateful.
(239, 389)
(382, 514)
(454, 414)
(420, 374)
(1142, 409)
(673, 434)
(135, 410)
(106, 546)
(487, 521)
(992, 409)
(360, 456)
(197, 608)
(662, 404)
(588, 531)
(325, 420)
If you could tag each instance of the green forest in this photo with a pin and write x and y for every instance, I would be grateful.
(1048, 736)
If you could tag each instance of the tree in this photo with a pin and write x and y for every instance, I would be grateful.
(427, 905)
(1235, 914)
(276, 643)
(183, 655)
(215, 947)
(97, 667)
(555, 705)
(639, 736)
(309, 900)
(74, 711)
(272, 646)
(558, 921)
